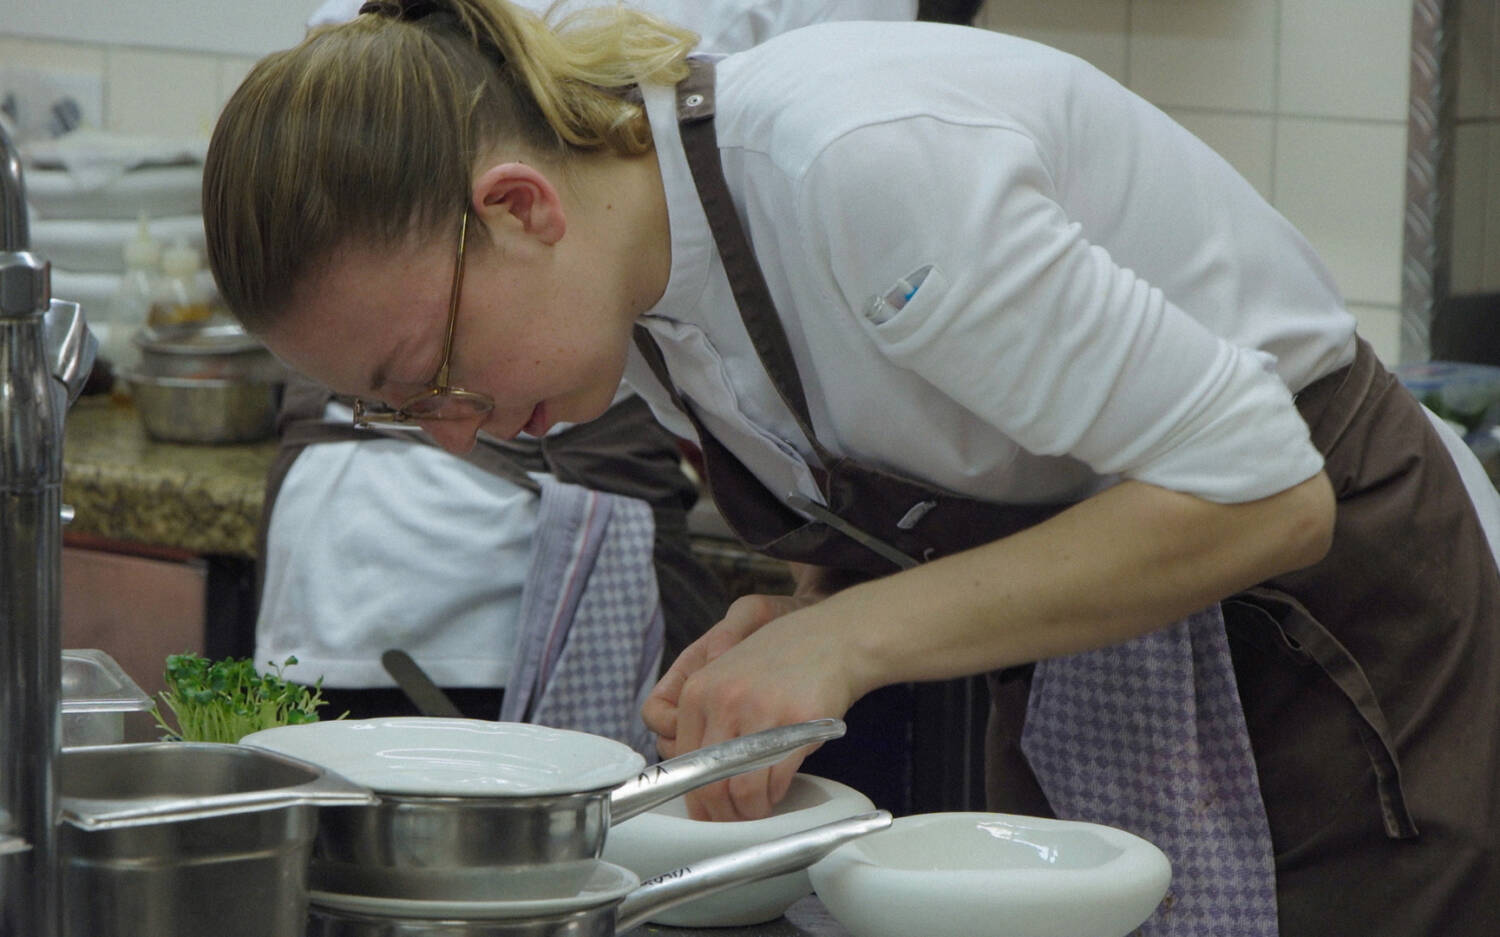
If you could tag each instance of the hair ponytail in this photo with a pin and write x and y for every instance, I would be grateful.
(366, 131)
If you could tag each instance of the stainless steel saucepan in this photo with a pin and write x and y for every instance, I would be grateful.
(457, 795)
(593, 898)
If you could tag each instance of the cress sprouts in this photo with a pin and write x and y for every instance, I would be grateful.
(226, 700)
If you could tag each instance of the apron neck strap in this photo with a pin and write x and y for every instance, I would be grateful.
(695, 114)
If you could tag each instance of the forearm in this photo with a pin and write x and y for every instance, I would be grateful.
(807, 580)
(1123, 563)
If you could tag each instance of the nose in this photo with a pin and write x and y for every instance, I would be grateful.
(455, 436)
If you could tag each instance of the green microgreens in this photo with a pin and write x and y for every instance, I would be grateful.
(226, 700)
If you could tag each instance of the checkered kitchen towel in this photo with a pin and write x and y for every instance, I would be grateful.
(1149, 736)
(590, 621)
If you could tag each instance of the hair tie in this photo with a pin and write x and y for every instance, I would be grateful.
(401, 11)
(409, 11)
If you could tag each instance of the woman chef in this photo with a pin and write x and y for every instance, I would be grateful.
(1017, 368)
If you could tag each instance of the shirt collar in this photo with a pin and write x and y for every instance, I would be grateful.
(692, 241)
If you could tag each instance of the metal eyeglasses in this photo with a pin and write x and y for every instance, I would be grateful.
(441, 400)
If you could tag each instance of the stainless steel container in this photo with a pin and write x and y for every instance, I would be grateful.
(533, 903)
(96, 695)
(416, 834)
(212, 383)
(186, 839)
(224, 351)
(205, 409)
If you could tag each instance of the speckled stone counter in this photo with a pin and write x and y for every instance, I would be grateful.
(124, 486)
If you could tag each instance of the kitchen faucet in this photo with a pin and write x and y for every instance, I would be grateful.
(45, 356)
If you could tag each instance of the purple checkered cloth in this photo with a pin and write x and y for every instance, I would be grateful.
(590, 620)
(1149, 737)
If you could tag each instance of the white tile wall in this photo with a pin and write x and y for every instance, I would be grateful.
(68, 56)
(173, 93)
(1306, 98)
(1341, 184)
(1216, 54)
(1345, 58)
(1095, 30)
(149, 91)
(232, 71)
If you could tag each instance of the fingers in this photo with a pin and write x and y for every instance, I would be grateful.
(742, 677)
(659, 711)
(750, 796)
(662, 706)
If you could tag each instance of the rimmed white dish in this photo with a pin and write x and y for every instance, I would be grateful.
(457, 757)
(515, 894)
(973, 874)
(666, 838)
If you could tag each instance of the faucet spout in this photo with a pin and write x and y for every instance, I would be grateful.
(15, 231)
(32, 405)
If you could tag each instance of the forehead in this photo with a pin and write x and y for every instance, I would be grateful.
(362, 313)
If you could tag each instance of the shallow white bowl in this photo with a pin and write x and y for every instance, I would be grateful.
(457, 757)
(977, 874)
(665, 839)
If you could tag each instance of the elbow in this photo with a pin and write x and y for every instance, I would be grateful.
(1310, 512)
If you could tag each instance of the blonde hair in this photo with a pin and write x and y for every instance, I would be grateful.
(366, 132)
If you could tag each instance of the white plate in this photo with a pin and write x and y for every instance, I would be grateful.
(664, 838)
(970, 874)
(457, 757)
(563, 889)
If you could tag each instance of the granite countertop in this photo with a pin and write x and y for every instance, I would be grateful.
(125, 486)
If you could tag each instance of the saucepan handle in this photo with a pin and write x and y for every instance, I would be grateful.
(665, 780)
(786, 854)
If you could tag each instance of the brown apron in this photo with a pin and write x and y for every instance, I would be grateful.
(624, 452)
(1370, 681)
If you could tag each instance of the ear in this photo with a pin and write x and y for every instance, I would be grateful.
(525, 196)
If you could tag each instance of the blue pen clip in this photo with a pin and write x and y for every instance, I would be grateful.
(884, 308)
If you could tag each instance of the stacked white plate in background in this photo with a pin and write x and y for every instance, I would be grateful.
(87, 192)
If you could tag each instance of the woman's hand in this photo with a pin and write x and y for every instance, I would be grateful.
(734, 681)
(744, 616)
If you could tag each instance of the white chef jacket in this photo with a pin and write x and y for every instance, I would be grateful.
(1100, 295)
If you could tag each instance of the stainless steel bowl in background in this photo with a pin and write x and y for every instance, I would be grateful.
(205, 383)
(183, 839)
(205, 409)
(214, 349)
